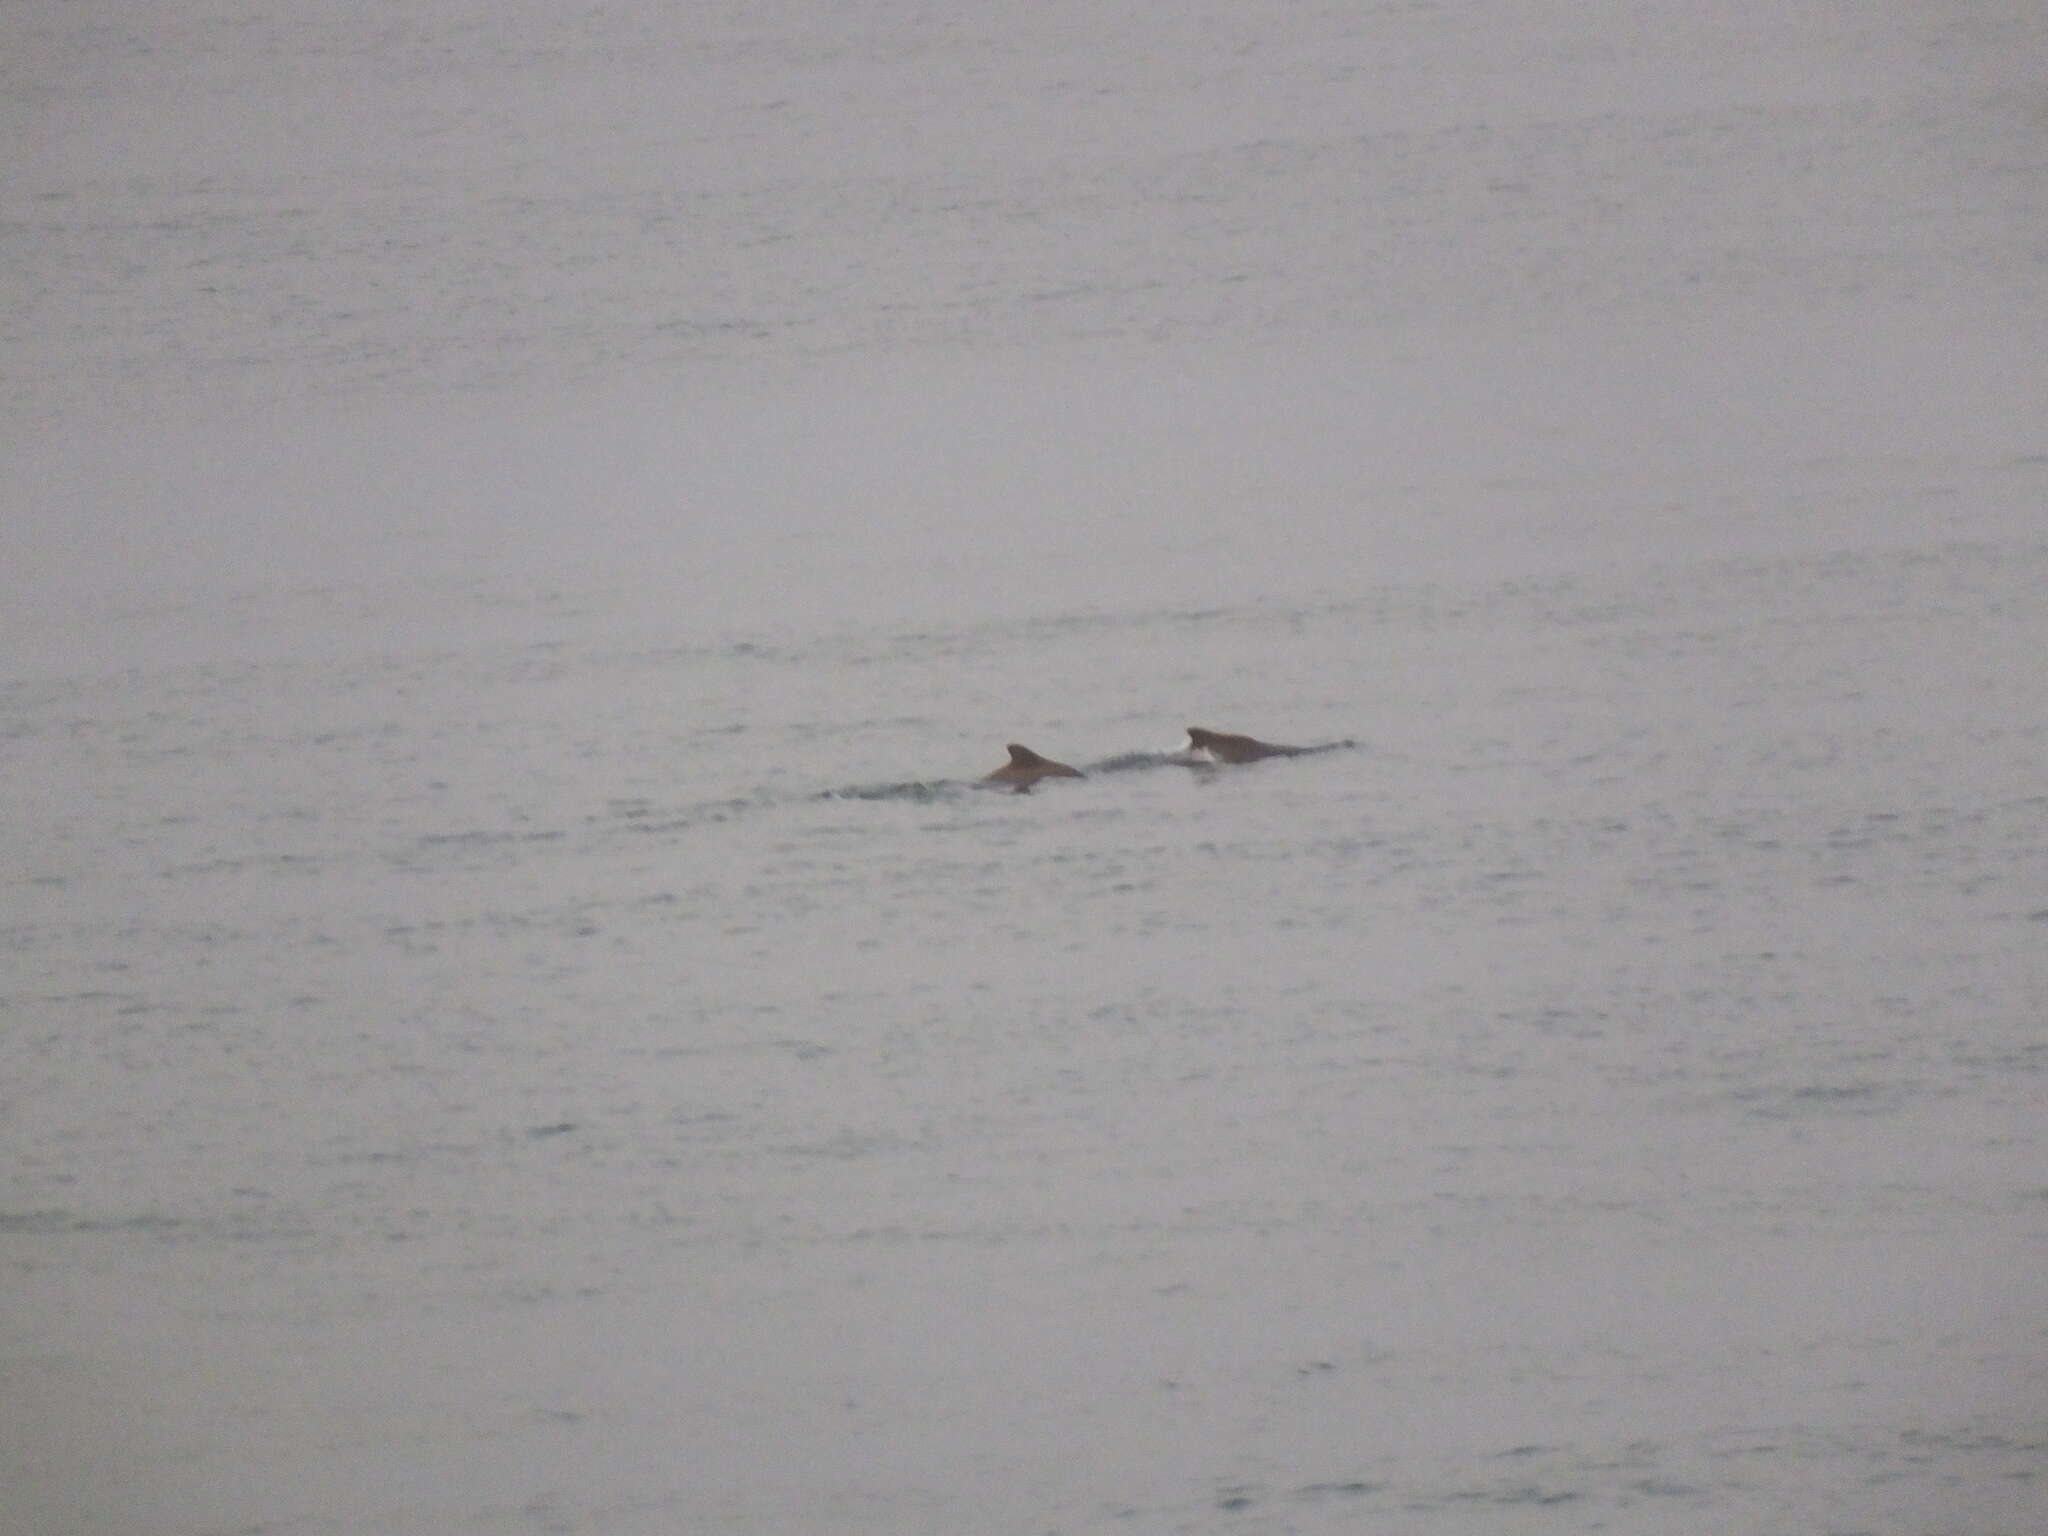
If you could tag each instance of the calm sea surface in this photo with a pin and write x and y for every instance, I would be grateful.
(524, 531)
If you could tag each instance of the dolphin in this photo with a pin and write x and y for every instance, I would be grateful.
(1025, 768)
(1237, 749)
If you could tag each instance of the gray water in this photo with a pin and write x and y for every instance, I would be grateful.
(525, 528)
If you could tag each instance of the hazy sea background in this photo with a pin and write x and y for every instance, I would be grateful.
(521, 523)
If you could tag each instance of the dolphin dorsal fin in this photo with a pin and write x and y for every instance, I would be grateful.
(1023, 756)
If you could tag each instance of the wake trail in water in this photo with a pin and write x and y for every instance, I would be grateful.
(922, 791)
(644, 816)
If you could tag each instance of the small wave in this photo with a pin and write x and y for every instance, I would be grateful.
(484, 838)
(51, 1223)
(1127, 762)
(644, 817)
(920, 790)
(1187, 757)
(1346, 745)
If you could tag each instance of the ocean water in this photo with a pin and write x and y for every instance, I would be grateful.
(524, 528)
